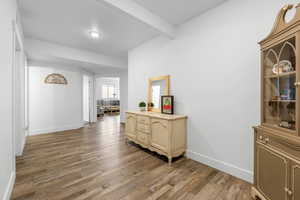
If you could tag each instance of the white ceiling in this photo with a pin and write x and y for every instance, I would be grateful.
(178, 11)
(57, 62)
(67, 22)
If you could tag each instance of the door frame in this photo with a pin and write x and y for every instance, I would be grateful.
(92, 98)
(18, 91)
(17, 43)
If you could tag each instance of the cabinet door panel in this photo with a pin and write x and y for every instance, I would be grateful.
(160, 135)
(279, 90)
(296, 181)
(130, 127)
(272, 174)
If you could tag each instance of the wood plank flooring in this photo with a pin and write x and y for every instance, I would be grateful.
(95, 163)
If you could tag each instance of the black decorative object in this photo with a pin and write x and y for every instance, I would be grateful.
(167, 105)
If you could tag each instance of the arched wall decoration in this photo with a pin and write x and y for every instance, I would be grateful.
(56, 79)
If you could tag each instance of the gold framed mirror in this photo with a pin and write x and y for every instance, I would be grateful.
(157, 87)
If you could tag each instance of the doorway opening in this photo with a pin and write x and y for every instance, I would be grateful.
(108, 97)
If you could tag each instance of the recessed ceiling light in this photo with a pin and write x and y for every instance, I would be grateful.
(94, 34)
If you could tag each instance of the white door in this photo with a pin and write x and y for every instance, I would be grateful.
(86, 99)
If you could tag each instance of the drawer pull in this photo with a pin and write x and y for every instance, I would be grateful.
(288, 191)
(264, 140)
(143, 139)
(143, 128)
(267, 140)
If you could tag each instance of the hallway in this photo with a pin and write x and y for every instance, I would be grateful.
(96, 163)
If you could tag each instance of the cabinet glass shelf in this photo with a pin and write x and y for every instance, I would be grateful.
(279, 103)
(282, 74)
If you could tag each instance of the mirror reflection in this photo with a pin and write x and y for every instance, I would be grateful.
(158, 86)
(158, 89)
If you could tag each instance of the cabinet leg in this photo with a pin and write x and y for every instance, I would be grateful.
(170, 160)
(256, 195)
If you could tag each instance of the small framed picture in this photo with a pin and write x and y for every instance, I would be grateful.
(167, 105)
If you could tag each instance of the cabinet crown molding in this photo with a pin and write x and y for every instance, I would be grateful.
(280, 26)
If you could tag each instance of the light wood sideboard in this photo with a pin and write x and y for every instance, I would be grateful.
(164, 134)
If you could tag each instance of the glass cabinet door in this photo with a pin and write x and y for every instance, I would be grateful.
(279, 68)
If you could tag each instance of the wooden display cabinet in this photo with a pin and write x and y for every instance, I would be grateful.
(277, 139)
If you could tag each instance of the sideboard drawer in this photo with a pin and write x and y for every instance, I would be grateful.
(145, 128)
(143, 138)
(143, 120)
(279, 144)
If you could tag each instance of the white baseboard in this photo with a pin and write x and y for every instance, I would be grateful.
(20, 152)
(53, 130)
(222, 166)
(10, 186)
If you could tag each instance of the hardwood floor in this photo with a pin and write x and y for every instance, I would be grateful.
(95, 163)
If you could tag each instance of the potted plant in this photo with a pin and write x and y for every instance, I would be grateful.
(142, 106)
(150, 106)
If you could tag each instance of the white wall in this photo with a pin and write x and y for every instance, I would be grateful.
(214, 64)
(20, 88)
(26, 93)
(7, 14)
(123, 95)
(54, 107)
